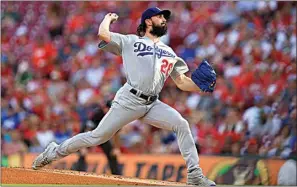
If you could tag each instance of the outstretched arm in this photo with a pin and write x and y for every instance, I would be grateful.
(185, 83)
(103, 31)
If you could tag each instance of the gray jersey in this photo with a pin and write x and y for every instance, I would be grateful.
(147, 64)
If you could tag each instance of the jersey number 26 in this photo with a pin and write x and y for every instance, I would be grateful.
(166, 67)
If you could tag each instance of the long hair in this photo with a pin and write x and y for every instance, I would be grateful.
(141, 29)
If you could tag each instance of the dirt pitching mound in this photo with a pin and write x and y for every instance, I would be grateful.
(51, 176)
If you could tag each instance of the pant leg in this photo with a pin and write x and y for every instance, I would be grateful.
(163, 116)
(118, 116)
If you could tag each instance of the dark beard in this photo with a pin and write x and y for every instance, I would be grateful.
(158, 30)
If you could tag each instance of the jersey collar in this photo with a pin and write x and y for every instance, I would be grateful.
(157, 43)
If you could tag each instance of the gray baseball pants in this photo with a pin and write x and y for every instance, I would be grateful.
(126, 108)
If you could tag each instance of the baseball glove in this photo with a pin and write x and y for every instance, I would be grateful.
(205, 77)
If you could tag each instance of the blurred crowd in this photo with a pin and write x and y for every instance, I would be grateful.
(53, 75)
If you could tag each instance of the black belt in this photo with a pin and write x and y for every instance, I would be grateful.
(145, 97)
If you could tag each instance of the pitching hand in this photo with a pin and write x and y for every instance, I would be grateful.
(112, 16)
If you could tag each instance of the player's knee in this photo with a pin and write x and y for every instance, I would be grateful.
(183, 126)
(100, 138)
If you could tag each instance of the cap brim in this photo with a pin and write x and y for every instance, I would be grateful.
(166, 14)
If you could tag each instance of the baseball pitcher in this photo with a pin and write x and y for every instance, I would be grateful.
(147, 62)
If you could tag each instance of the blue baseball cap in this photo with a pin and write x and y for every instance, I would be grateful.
(150, 12)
